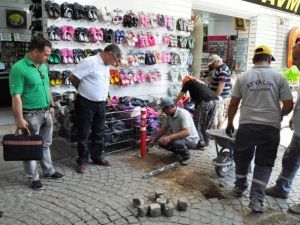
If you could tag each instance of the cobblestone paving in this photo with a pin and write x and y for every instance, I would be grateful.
(103, 195)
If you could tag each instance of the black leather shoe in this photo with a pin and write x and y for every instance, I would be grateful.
(80, 169)
(102, 163)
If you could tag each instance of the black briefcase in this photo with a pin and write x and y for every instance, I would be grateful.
(22, 147)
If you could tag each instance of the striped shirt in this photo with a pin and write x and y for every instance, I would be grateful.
(222, 74)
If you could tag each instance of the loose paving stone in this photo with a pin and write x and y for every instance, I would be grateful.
(143, 210)
(162, 202)
(182, 204)
(168, 209)
(154, 210)
(138, 200)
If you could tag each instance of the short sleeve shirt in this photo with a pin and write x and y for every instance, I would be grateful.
(199, 92)
(222, 74)
(94, 78)
(31, 83)
(261, 89)
(182, 119)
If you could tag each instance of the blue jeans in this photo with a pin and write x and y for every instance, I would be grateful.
(40, 123)
(262, 142)
(290, 165)
(90, 119)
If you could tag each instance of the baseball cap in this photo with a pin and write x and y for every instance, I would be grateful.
(165, 102)
(213, 58)
(263, 49)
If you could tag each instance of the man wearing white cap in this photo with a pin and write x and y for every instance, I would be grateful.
(221, 85)
(260, 91)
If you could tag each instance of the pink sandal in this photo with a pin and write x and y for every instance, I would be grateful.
(99, 34)
(70, 56)
(93, 35)
(151, 39)
(71, 30)
(64, 55)
(65, 35)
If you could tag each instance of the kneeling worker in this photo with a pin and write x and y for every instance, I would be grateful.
(178, 132)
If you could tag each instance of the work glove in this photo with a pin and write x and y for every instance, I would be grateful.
(229, 131)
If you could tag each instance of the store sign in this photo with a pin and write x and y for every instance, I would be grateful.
(290, 6)
(293, 38)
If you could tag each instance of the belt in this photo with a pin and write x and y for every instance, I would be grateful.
(35, 110)
(78, 95)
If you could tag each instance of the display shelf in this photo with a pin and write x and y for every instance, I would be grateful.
(240, 53)
(119, 133)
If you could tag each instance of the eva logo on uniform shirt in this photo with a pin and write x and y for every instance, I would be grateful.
(290, 6)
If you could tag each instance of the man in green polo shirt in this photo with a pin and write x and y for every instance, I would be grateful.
(33, 105)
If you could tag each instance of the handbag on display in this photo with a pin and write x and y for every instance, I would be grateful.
(22, 147)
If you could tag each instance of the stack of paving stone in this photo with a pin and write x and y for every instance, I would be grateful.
(158, 205)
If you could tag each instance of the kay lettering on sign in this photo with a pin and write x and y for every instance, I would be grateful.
(290, 6)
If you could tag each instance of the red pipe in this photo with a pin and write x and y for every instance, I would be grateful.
(143, 150)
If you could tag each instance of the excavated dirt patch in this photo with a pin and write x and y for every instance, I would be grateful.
(271, 217)
(180, 179)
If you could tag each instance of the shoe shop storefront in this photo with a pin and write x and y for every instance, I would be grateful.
(159, 44)
(155, 40)
(267, 22)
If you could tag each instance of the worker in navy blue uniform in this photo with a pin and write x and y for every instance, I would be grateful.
(260, 91)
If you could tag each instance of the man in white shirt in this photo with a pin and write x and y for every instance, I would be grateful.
(260, 91)
(291, 157)
(91, 78)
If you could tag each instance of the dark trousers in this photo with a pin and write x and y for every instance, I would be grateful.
(290, 165)
(180, 146)
(262, 142)
(90, 118)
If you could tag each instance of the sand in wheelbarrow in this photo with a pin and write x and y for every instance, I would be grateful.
(180, 179)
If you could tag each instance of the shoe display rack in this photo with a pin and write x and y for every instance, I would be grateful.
(119, 134)
(126, 38)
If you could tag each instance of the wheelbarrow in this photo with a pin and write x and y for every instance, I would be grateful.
(224, 148)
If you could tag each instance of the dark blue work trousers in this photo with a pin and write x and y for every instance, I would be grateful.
(261, 142)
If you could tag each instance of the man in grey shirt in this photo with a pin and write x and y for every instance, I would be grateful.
(178, 132)
(260, 91)
(291, 157)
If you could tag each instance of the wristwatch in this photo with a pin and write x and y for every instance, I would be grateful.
(52, 106)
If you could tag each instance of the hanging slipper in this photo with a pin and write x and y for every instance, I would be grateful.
(66, 10)
(52, 9)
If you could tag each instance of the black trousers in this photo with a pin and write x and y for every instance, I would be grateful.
(90, 119)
